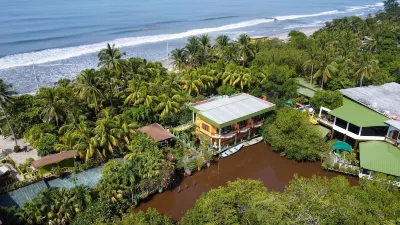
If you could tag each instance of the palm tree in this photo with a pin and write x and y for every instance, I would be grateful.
(191, 82)
(6, 98)
(222, 41)
(51, 105)
(205, 45)
(110, 82)
(367, 66)
(110, 57)
(326, 69)
(62, 208)
(237, 75)
(107, 132)
(192, 51)
(127, 128)
(84, 142)
(311, 62)
(168, 105)
(138, 92)
(32, 212)
(88, 88)
(244, 48)
(178, 57)
(82, 197)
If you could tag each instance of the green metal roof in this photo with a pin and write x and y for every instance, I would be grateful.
(226, 111)
(307, 84)
(359, 115)
(341, 145)
(323, 130)
(380, 156)
(306, 92)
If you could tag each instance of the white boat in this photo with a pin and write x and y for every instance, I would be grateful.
(231, 151)
(252, 141)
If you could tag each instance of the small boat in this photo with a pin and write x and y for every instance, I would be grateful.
(231, 151)
(253, 141)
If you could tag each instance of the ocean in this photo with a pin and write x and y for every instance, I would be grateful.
(56, 38)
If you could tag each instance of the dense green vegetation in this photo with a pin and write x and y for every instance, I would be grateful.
(291, 133)
(304, 201)
(98, 113)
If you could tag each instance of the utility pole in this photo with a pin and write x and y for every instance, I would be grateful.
(167, 50)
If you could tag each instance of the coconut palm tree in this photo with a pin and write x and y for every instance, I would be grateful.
(110, 83)
(178, 57)
(168, 105)
(110, 57)
(222, 41)
(191, 82)
(6, 98)
(367, 66)
(83, 142)
(326, 68)
(82, 197)
(244, 47)
(107, 133)
(205, 45)
(236, 75)
(62, 208)
(88, 88)
(51, 105)
(32, 212)
(192, 49)
(127, 128)
(311, 62)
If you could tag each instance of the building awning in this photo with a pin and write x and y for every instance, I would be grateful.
(393, 123)
(359, 115)
(380, 157)
(305, 91)
(306, 88)
(342, 146)
(226, 111)
(157, 132)
(323, 131)
(54, 158)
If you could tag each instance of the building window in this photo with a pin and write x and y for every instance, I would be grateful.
(205, 127)
(227, 129)
(374, 131)
(341, 123)
(242, 123)
(354, 129)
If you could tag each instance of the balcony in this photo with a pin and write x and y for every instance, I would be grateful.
(326, 122)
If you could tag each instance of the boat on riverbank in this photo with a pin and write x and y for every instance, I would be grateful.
(252, 142)
(231, 151)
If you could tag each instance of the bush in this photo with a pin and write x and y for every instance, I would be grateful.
(327, 99)
(29, 161)
(96, 213)
(45, 144)
(336, 166)
(17, 148)
(293, 136)
(227, 90)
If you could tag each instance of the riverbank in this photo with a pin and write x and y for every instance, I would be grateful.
(257, 162)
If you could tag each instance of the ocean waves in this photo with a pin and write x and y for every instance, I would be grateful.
(57, 54)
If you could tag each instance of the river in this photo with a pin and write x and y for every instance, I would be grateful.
(257, 162)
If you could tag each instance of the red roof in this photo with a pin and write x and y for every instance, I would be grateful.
(157, 132)
(54, 158)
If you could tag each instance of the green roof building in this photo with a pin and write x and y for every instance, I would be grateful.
(305, 88)
(380, 157)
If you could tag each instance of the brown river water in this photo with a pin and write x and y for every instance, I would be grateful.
(257, 162)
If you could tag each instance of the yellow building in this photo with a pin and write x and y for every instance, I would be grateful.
(229, 120)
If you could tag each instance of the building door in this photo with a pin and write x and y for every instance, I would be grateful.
(395, 134)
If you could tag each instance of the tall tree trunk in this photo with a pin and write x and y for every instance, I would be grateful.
(361, 79)
(9, 125)
(322, 83)
(312, 73)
